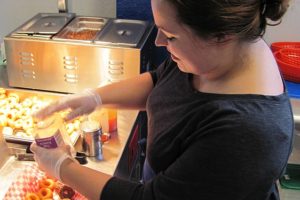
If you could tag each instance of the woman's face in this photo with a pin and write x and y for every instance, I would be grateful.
(190, 52)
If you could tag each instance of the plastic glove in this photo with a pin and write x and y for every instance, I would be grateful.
(80, 104)
(50, 160)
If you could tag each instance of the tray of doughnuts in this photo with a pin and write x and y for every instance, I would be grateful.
(33, 184)
(16, 109)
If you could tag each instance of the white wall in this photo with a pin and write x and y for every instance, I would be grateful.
(289, 29)
(14, 13)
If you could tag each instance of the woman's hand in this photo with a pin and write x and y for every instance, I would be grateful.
(50, 160)
(80, 104)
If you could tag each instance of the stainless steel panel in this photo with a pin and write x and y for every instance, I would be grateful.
(122, 32)
(67, 67)
(46, 23)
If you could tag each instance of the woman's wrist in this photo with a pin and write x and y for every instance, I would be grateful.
(67, 166)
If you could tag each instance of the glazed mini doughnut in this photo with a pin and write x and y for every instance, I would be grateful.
(70, 128)
(47, 183)
(45, 193)
(26, 112)
(7, 130)
(12, 101)
(20, 133)
(14, 95)
(2, 96)
(4, 110)
(19, 107)
(35, 108)
(3, 103)
(28, 123)
(19, 123)
(29, 132)
(32, 196)
(10, 123)
(2, 91)
(76, 124)
(27, 103)
(3, 120)
(12, 114)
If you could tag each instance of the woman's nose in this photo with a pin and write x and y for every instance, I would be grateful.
(160, 39)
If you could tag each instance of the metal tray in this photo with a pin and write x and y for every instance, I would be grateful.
(82, 29)
(122, 32)
(31, 94)
(46, 23)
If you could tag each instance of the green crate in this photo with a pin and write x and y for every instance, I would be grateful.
(291, 177)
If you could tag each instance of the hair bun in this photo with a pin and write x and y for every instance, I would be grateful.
(275, 9)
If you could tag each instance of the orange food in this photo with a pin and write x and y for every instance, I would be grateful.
(45, 193)
(32, 196)
(47, 183)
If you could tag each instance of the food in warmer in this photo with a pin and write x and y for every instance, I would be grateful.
(85, 34)
(45, 193)
(66, 192)
(32, 196)
(47, 183)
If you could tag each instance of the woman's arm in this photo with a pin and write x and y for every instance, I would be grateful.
(86, 181)
(126, 94)
(129, 94)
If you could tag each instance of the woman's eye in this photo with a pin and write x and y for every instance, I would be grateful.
(170, 38)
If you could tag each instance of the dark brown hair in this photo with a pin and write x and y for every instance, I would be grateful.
(246, 19)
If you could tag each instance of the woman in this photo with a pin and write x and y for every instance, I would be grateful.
(220, 121)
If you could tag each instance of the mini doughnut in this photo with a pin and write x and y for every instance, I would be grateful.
(12, 114)
(19, 123)
(66, 192)
(7, 130)
(45, 193)
(12, 100)
(76, 124)
(35, 108)
(32, 196)
(70, 128)
(4, 111)
(2, 96)
(19, 107)
(3, 120)
(20, 133)
(3, 102)
(29, 132)
(11, 123)
(27, 103)
(26, 112)
(47, 183)
(28, 123)
(2, 91)
(14, 95)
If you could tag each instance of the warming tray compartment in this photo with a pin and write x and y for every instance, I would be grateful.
(44, 25)
(122, 32)
(82, 29)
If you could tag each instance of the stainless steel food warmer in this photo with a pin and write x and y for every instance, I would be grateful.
(62, 52)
